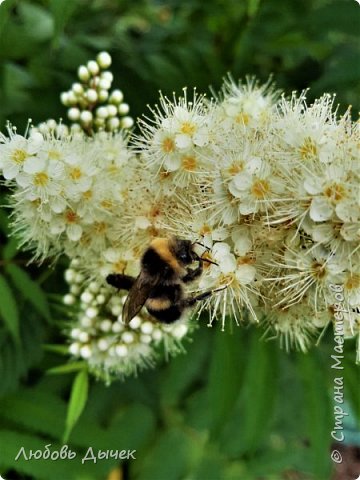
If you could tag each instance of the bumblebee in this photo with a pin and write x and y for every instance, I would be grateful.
(165, 269)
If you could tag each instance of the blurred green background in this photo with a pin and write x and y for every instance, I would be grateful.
(234, 407)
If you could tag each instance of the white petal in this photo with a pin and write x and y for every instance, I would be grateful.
(183, 141)
(320, 210)
(23, 179)
(347, 213)
(228, 264)
(245, 274)
(142, 223)
(248, 206)
(172, 163)
(313, 185)
(10, 170)
(242, 181)
(34, 164)
(74, 232)
(254, 165)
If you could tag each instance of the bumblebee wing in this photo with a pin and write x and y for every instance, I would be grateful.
(137, 296)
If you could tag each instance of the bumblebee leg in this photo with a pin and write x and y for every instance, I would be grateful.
(190, 301)
(122, 282)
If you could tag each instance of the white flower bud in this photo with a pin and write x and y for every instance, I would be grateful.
(123, 108)
(116, 97)
(99, 123)
(127, 337)
(145, 339)
(100, 299)
(127, 122)
(75, 262)
(86, 322)
(62, 131)
(85, 351)
(79, 277)
(93, 67)
(104, 84)
(73, 114)
(102, 112)
(121, 350)
(112, 110)
(75, 289)
(51, 123)
(147, 328)
(86, 297)
(64, 98)
(74, 348)
(103, 59)
(83, 73)
(135, 323)
(86, 117)
(75, 332)
(70, 275)
(69, 299)
(94, 287)
(103, 344)
(77, 88)
(157, 334)
(83, 337)
(103, 95)
(72, 99)
(92, 95)
(75, 128)
(113, 123)
(117, 327)
(91, 312)
(106, 325)
(179, 331)
(107, 76)
(116, 310)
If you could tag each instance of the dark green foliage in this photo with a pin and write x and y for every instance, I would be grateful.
(234, 407)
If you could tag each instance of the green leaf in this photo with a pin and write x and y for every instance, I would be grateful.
(225, 376)
(253, 7)
(60, 349)
(5, 12)
(159, 464)
(35, 410)
(66, 368)
(62, 10)
(10, 249)
(38, 23)
(78, 398)
(255, 404)
(29, 289)
(8, 309)
(318, 413)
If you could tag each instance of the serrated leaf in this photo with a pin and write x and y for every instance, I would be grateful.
(77, 402)
(66, 368)
(29, 289)
(8, 308)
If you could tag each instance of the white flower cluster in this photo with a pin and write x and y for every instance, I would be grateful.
(99, 336)
(269, 185)
(91, 104)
